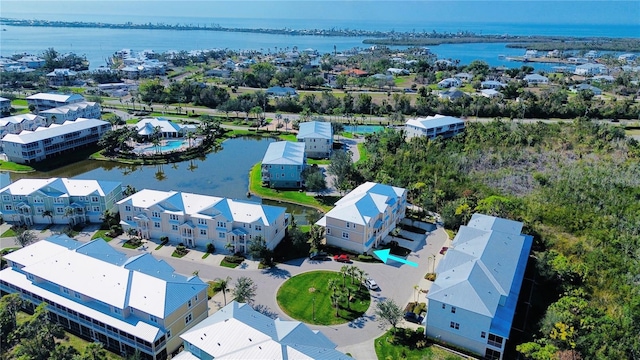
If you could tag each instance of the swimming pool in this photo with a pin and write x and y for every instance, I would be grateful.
(363, 129)
(169, 145)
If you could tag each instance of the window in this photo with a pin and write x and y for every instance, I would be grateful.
(454, 325)
(187, 319)
(196, 298)
(39, 210)
(453, 309)
(202, 221)
(127, 208)
(153, 319)
(328, 231)
(174, 227)
(156, 224)
(222, 224)
(116, 310)
(168, 334)
(6, 197)
(77, 295)
(483, 334)
(155, 214)
(58, 200)
(59, 210)
(348, 224)
(258, 228)
(203, 232)
(345, 235)
(491, 354)
(444, 306)
(94, 199)
(129, 218)
(8, 207)
(30, 276)
(189, 303)
(222, 235)
(65, 290)
(173, 217)
(96, 208)
(495, 340)
(38, 200)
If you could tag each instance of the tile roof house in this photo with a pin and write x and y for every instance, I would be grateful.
(283, 163)
(473, 299)
(46, 142)
(317, 137)
(135, 304)
(197, 220)
(67, 201)
(364, 217)
(237, 332)
(434, 126)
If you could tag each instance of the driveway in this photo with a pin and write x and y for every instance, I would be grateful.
(396, 281)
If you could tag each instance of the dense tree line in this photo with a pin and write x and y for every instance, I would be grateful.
(576, 187)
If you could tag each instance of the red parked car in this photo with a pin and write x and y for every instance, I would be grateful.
(342, 258)
(444, 250)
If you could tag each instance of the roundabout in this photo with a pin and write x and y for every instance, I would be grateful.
(323, 298)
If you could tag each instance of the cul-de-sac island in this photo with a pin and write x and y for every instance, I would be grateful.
(514, 190)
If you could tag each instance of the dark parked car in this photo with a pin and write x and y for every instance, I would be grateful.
(342, 258)
(318, 256)
(413, 317)
(444, 250)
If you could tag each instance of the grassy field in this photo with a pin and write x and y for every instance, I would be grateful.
(292, 196)
(307, 295)
(408, 344)
(8, 233)
(11, 166)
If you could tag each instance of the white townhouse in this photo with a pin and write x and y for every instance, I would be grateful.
(197, 220)
(364, 217)
(433, 126)
(166, 128)
(473, 299)
(71, 112)
(15, 124)
(283, 163)
(58, 200)
(5, 106)
(532, 79)
(238, 332)
(129, 304)
(44, 101)
(317, 137)
(46, 142)
(590, 69)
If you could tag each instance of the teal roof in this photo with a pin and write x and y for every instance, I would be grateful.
(315, 129)
(284, 153)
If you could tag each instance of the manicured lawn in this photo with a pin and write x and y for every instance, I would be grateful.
(19, 102)
(318, 161)
(288, 137)
(408, 344)
(296, 298)
(229, 264)
(364, 155)
(293, 196)
(11, 166)
(8, 233)
(102, 234)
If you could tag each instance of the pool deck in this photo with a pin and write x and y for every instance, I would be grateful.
(150, 149)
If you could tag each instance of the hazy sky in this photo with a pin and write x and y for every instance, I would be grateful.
(493, 11)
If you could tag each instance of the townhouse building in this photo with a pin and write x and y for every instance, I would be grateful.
(364, 217)
(129, 304)
(71, 112)
(15, 124)
(58, 200)
(282, 165)
(45, 101)
(317, 137)
(238, 332)
(5, 106)
(62, 77)
(433, 126)
(46, 142)
(197, 220)
(473, 299)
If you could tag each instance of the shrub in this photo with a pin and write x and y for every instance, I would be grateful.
(233, 259)
(430, 276)
(181, 250)
(211, 248)
(164, 240)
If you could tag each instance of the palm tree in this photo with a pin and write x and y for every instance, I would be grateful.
(332, 285)
(49, 214)
(286, 124)
(344, 270)
(279, 118)
(361, 275)
(190, 136)
(352, 271)
(223, 285)
(69, 213)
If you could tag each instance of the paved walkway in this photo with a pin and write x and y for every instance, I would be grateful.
(397, 281)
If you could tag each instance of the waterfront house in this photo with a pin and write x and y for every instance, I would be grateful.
(449, 82)
(165, 128)
(281, 91)
(238, 332)
(197, 220)
(46, 142)
(362, 219)
(5, 106)
(44, 101)
(472, 302)
(533, 79)
(317, 137)
(433, 126)
(71, 112)
(61, 77)
(586, 87)
(6, 62)
(282, 165)
(31, 61)
(15, 124)
(130, 305)
(590, 69)
(58, 201)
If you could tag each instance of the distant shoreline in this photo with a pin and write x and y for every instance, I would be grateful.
(388, 38)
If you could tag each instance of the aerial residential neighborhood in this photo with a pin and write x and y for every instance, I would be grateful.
(252, 187)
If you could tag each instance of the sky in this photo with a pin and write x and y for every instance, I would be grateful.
(487, 11)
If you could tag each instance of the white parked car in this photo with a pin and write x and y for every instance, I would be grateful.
(371, 284)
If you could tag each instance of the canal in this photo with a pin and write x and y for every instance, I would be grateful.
(224, 173)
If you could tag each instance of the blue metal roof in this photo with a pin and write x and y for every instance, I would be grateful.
(284, 153)
(315, 129)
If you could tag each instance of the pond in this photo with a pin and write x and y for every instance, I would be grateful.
(363, 129)
(224, 173)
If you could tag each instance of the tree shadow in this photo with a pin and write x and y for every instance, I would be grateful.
(361, 321)
(266, 311)
(277, 273)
